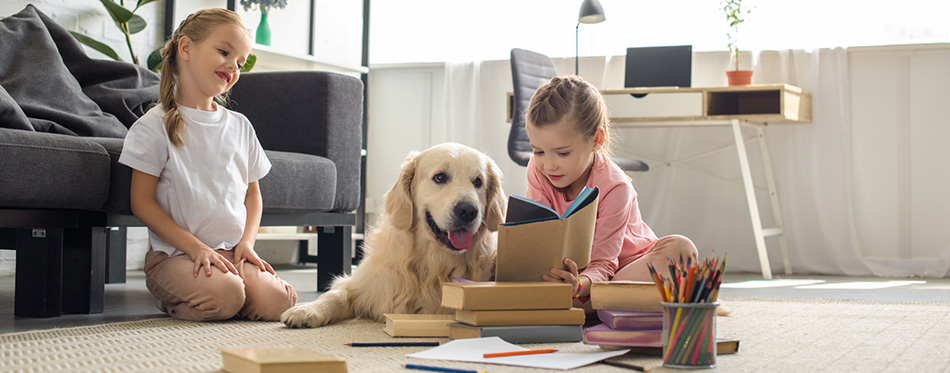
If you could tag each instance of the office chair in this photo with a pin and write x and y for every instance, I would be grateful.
(529, 71)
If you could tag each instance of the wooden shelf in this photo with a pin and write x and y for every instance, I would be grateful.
(269, 59)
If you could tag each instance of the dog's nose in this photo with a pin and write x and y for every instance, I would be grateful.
(466, 211)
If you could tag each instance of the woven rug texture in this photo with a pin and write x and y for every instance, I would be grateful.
(777, 335)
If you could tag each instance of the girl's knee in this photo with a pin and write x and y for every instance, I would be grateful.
(677, 244)
(221, 301)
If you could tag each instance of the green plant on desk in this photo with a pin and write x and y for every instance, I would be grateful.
(735, 15)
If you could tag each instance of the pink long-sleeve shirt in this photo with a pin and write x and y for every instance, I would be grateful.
(620, 235)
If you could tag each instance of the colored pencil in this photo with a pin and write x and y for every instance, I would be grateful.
(519, 353)
(625, 365)
(441, 369)
(392, 344)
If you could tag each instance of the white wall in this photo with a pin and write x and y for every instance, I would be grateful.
(899, 103)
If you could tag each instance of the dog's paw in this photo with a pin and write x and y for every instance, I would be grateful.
(303, 316)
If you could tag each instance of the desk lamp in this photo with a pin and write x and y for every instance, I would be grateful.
(591, 12)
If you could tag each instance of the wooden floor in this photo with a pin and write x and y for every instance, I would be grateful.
(131, 301)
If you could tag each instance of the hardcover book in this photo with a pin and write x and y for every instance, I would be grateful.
(625, 296)
(535, 238)
(279, 359)
(519, 333)
(631, 320)
(573, 316)
(417, 325)
(478, 296)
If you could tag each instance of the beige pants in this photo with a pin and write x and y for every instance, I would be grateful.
(671, 246)
(254, 295)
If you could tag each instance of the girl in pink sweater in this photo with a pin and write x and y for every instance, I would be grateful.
(568, 126)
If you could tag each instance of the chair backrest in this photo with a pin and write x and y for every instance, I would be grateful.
(529, 70)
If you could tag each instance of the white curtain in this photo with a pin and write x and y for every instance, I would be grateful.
(703, 198)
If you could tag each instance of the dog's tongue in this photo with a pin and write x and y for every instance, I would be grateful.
(461, 239)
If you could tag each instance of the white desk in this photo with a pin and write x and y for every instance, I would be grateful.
(753, 106)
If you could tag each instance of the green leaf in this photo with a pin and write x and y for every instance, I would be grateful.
(102, 48)
(118, 13)
(136, 24)
(142, 2)
(249, 64)
(154, 60)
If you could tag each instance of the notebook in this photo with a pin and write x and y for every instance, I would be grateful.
(659, 66)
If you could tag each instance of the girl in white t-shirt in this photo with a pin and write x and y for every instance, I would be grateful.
(195, 171)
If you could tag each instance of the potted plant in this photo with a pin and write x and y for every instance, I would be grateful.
(263, 28)
(735, 15)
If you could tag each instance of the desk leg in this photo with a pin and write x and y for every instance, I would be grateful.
(773, 194)
(750, 198)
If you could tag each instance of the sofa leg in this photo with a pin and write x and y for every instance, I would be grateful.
(84, 264)
(39, 272)
(333, 254)
(115, 254)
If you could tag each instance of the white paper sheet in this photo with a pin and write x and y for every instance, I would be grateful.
(473, 349)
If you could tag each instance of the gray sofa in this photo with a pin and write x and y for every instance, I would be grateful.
(61, 195)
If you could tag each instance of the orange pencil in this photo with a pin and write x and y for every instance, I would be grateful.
(519, 353)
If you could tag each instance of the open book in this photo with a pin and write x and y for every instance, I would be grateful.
(535, 238)
(522, 210)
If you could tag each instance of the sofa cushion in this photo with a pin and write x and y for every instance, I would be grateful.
(51, 171)
(120, 179)
(296, 183)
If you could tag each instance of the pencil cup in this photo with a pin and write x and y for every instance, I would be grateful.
(689, 335)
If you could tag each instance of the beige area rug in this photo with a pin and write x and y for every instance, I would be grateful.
(777, 335)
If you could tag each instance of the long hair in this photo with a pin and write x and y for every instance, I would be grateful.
(197, 26)
(573, 98)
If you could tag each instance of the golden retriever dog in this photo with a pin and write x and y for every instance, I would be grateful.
(439, 222)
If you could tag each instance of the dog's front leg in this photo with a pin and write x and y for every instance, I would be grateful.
(330, 307)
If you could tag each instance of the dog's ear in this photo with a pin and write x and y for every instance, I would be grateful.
(497, 202)
(399, 204)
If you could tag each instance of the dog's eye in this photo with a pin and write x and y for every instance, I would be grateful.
(477, 182)
(440, 178)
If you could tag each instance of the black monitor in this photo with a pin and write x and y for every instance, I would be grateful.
(659, 67)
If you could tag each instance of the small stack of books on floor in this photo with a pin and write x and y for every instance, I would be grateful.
(630, 311)
(633, 318)
(518, 312)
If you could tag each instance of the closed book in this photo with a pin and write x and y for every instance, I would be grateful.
(643, 341)
(520, 333)
(417, 325)
(603, 335)
(573, 316)
(625, 296)
(631, 320)
(724, 346)
(477, 296)
(279, 359)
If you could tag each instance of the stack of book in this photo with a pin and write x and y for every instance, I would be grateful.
(518, 312)
(630, 311)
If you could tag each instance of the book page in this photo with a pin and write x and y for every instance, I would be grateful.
(524, 210)
(474, 349)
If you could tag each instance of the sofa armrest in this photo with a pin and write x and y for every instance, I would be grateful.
(310, 112)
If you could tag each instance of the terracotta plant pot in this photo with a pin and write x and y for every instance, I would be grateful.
(739, 77)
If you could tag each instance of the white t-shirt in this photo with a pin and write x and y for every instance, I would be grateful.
(201, 185)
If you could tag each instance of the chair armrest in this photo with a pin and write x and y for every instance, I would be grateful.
(310, 112)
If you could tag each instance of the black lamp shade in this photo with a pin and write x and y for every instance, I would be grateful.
(591, 12)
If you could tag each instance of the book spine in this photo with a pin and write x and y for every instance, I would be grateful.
(536, 334)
